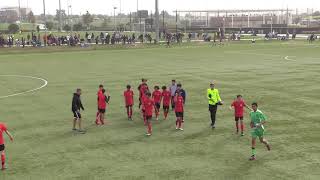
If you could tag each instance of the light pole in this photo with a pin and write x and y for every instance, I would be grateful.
(271, 25)
(45, 22)
(157, 21)
(60, 17)
(114, 17)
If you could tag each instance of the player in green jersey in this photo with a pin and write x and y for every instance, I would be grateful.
(258, 119)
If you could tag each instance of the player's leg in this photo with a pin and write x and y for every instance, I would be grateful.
(75, 119)
(3, 156)
(253, 148)
(149, 126)
(242, 126)
(182, 121)
(237, 124)
(97, 118)
(102, 116)
(213, 111)
(265, 142)
(128, 111)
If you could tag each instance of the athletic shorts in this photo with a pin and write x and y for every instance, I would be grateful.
(2, 147)
(179, 114)
(77, 114)
(102, 110)
(238, 118)
(257, 133)
(148, 118)
(157, 105)
(165, 107)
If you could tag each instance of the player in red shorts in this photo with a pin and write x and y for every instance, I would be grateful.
(156, 95)
(98, 114)
(149, 106)
(102, 105)
(166, 97)
(143, 87)
(238, 106)
(3, 129)
(143, 109)
(128, 100)
(179, 102)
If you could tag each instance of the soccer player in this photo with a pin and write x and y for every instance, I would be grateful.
(149, 106)
(213, 96)
(173, 89)
(143, 87)
(143, 109)
(76, 106)
(98, 114)
(238, 106)
(103, 99)
(258, 119)
(3, 129)
(128, 99)
(156, 96)
(179, 102)
(166, 97)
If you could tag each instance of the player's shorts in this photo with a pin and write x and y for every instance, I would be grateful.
(157, 105)
(129, 105)
(148, 118)
(102, 110)
(2, 147)
(179, 114)
(77, 114)
(166, 107)
(257, 133)
(238, 118)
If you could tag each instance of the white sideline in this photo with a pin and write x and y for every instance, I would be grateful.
(288, 59)
(45, 83)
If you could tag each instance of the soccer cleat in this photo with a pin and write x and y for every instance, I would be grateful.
(148, 134)
(252, 158)
(213, 127)
(242, 134)
(268, 147)
(81, 131)
(180, 129)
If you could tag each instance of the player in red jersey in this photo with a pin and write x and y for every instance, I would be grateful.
(3, 129)
(128, 100)
(179, 103)
(143, 87)
(102, 105)
(166, 97)
(98, 114)
(143, 110)
(238, 106)
(156, 95)
(149, 106)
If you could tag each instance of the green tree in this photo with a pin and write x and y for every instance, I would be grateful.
(13, 28)
(78, 27)
(49, 25)
(31, 18)
(87, 19)
(67, 27)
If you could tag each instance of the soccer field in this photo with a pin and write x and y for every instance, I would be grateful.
(282, 77)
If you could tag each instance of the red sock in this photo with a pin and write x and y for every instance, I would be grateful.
(177, 121)
(144, 120)
(97, 118)
(180, 122)
(242, 127)
(130, 113)
(237, 126)
(149, 128)
(3, 159)
(165, 114)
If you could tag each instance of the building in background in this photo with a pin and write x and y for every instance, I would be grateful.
(12, 14)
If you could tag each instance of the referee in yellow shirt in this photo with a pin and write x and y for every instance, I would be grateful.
(214, 100)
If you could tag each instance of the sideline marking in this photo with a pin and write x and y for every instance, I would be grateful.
(28, 91)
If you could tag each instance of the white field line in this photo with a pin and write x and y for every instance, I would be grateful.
(45, 83)
(288, 59)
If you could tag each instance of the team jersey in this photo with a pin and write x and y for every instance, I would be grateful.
(128, 96)
(257, 117)
(143, 99)
(179, 104)
(143, 88)
(149, 106)
(166, 97)
(102, 104)
(156, 95)
(3, 128)
(238, 108)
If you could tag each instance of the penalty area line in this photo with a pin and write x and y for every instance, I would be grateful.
(45, 83)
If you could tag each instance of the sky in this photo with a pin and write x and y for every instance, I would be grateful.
(106, 6)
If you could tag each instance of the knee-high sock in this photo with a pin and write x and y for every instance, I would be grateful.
(180, 122)
(149, 128)
(242, 127)
(237, 126)
(130, 113)
(3, 158)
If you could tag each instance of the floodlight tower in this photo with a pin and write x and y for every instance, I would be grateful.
(45, 21)
(60, 17)
(157, 21)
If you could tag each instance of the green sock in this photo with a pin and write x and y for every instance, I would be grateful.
(253, 151)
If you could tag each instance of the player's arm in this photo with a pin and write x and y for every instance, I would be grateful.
(9, 135)
(220, 102)
(231, 106)
(108, 97)
(248, 107)
(81, 106)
